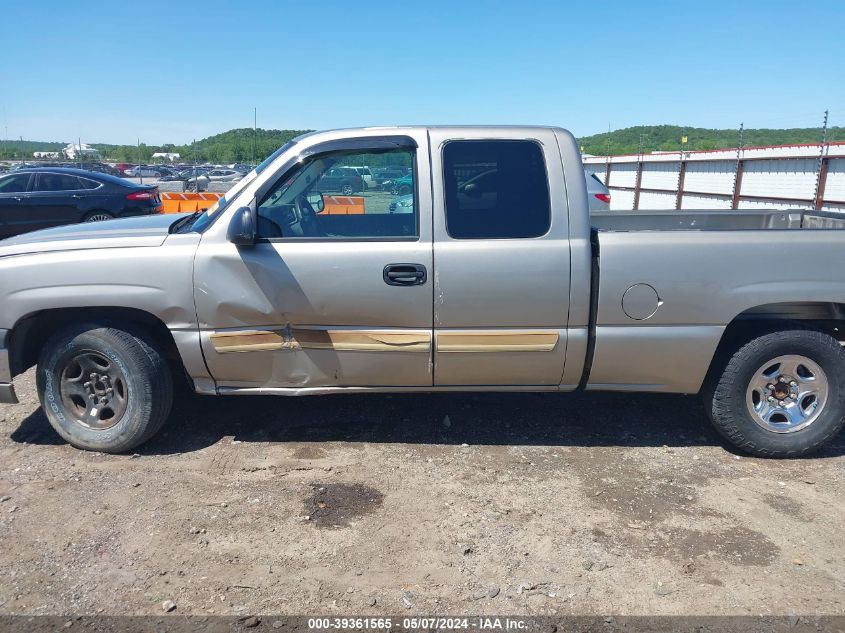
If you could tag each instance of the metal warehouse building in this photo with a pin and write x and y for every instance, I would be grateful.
(782, 176)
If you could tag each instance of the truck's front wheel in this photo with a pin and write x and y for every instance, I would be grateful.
(104, 389)
(781, 394)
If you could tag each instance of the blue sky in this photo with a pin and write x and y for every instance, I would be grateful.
(115, 71)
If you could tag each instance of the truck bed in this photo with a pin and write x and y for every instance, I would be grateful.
(715, 220)
(666, 284)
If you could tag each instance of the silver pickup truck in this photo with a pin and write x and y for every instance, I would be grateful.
(487, 274)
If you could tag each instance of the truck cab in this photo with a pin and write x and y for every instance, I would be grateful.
(473, 288)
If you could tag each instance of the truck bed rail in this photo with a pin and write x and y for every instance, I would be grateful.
(715, 220)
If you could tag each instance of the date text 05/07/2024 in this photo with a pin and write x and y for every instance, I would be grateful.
(481, 623)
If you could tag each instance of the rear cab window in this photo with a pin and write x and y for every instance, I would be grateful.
(495, 189)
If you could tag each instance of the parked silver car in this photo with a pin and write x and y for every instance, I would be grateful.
(224, 175)
(402, 204)
(598, 196)
(146, 171)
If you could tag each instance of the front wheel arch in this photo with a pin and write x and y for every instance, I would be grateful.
(27, 337)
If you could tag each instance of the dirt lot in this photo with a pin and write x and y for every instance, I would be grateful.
(506, 504)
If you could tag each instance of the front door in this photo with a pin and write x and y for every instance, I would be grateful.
(501, 257)
(55, 201)
(14, 198)
(324, 298)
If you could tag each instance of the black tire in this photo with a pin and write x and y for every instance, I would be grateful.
(403, 190)
(98, 216)
(145, 383)
(726, 397)
(347, 190)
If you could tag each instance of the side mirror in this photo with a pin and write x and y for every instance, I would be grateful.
(315, 199)
(472, 190)
(242, 228)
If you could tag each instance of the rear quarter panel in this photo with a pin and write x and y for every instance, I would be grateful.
(703, 280)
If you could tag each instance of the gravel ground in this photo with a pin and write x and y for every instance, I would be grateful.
(449, 503)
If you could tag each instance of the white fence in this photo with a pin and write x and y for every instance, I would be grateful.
(783, 176)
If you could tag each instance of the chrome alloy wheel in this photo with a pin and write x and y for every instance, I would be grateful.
(787, 393)
(98, 217)
(93, 389)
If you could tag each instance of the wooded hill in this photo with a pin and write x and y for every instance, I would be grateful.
(668, 138)
(237, 145)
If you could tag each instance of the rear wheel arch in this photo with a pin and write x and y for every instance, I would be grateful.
(822, 316)
(98, 214)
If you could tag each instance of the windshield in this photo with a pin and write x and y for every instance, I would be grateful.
(209, 214)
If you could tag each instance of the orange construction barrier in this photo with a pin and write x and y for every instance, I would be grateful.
(342, 205)
(187, 202)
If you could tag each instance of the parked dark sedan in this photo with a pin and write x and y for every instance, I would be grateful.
(341, 179)
(32, 199)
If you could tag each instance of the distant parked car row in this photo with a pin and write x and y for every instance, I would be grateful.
(349, 179)
(32, 199)
(95, 166)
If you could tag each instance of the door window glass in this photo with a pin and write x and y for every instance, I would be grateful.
(57, 182)
(89, 184)
(495, 190)
(15, 183)
(327, 197)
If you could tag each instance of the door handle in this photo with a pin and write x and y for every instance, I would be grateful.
(404, 274)
(17, 198)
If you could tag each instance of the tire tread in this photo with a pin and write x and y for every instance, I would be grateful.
(731, 418)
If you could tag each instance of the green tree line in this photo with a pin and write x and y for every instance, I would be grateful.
(668, 138)
(241, 146)
(237, 145)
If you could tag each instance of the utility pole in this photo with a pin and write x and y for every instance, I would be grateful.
(682, 171)
(140, 168)
(821, 169)
(738, 168)
(639, 181)
(254, 132)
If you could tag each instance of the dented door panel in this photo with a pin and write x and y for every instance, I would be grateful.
(308, 314)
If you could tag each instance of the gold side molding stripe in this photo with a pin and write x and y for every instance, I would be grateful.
(497, 341)
(249, 341)
(337, 340)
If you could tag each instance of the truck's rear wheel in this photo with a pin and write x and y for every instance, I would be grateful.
(781, 394)
(102, 388)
